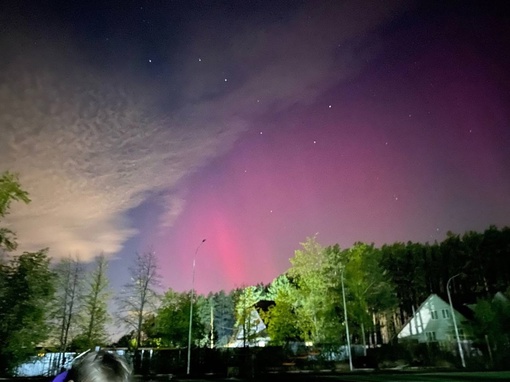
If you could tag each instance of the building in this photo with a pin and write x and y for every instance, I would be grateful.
(433, 322)
(252, 332)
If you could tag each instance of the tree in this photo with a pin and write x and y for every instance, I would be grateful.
(494, 249)
(491, 328)
(246, 300)
(369, 289)
(10, 190)
(27, 290)
(95, 306)
(66, 303)
(317, 302)
(224, 316)
(404, 264)
(281, 319)
(206, 307)
(171, 323)
(139, 298)
(26, 286)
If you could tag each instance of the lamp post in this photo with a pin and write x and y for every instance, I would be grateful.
(461, 352)
(346, 322)
(191, 308)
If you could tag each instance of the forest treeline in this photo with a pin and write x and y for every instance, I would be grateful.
(64, 305)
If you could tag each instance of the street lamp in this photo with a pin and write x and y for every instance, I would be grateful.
(191, 307)
(345, 317)
(461, 352)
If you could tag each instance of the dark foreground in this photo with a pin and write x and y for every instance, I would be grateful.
(359, 376)
(363, 377)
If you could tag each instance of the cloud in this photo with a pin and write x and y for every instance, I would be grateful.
(91, 145)
(88, 150)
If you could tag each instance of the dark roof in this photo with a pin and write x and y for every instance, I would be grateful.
(264, 305)
(460, 306)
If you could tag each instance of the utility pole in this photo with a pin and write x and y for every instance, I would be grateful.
(191, 308)
(461, 351)
(346, 322)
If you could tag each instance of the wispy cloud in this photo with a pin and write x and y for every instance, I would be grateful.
(90, 147)
(88, 152)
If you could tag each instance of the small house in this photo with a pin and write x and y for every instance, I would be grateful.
(253, 331)
(433, 322)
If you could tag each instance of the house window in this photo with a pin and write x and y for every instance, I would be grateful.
(431, 336)
(433, 314)
(446, 313)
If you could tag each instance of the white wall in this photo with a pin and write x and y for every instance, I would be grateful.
(433, 317)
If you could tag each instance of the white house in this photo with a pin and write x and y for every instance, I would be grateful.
(255, 328)
(432, 322)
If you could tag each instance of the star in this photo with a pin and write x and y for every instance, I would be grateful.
(199, 59)
(226, 80)
(150, 60)
(329, 106)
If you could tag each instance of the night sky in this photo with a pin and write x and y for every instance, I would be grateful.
(139, 125)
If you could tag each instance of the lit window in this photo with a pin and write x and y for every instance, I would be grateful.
(433, 314)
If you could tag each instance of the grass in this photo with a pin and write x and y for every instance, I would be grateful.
(383, 377)
(412, 377)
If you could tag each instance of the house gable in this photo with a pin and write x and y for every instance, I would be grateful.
(432, 322)
(256, 333)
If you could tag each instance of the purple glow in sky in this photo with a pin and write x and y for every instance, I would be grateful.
(253, 125)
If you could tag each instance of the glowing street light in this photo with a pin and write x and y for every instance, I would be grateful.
(191, 308)
(461, 352)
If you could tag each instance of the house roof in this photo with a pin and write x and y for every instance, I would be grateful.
(432, 295)
(264, 305)
(461, 307)
(499, 296)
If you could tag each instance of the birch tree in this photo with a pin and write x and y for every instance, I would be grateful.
(139, 297)
(66, 304)
(244, 308)
(94, 313)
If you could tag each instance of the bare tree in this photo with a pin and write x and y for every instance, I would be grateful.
(66, 304)
(95, 305)
(139, 297)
